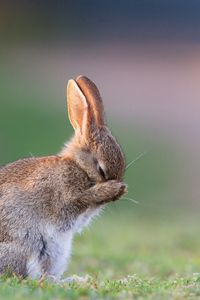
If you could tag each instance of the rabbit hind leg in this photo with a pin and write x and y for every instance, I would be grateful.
(12, 260)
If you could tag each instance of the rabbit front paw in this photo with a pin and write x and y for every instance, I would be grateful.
(110, 190)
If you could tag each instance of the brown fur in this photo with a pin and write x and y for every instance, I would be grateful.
(57, 189)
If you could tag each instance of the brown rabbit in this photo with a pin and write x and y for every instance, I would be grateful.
(45, 201)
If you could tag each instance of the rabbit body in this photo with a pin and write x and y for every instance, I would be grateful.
(45, 201)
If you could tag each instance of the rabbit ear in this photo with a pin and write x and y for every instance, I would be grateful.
(93, 98)
(77, 106)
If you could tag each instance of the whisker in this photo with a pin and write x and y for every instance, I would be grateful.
(136, 159)
(132, 200)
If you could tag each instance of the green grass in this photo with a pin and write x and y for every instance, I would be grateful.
(127, 257)
(131, 287)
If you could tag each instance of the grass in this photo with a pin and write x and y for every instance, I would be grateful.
(131, 287)
(127, 256)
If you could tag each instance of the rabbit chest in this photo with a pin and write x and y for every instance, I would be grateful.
(84, 219)
(55, 247)
(54, 251)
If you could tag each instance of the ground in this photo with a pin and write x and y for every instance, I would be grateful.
(126, 256)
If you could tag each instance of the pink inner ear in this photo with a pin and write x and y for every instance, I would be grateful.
(77, 105)
(93, 97)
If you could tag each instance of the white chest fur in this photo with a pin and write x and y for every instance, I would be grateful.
(84, 219)
(58, 246)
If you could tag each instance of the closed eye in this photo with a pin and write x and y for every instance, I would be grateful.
(101, 171)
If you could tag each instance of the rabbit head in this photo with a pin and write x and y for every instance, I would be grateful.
(93, 146)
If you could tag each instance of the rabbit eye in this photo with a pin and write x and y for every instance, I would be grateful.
(101, 171)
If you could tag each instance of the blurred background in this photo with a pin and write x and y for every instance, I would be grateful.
(145, 58)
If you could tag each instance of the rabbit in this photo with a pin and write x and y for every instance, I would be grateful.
(44, 201)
